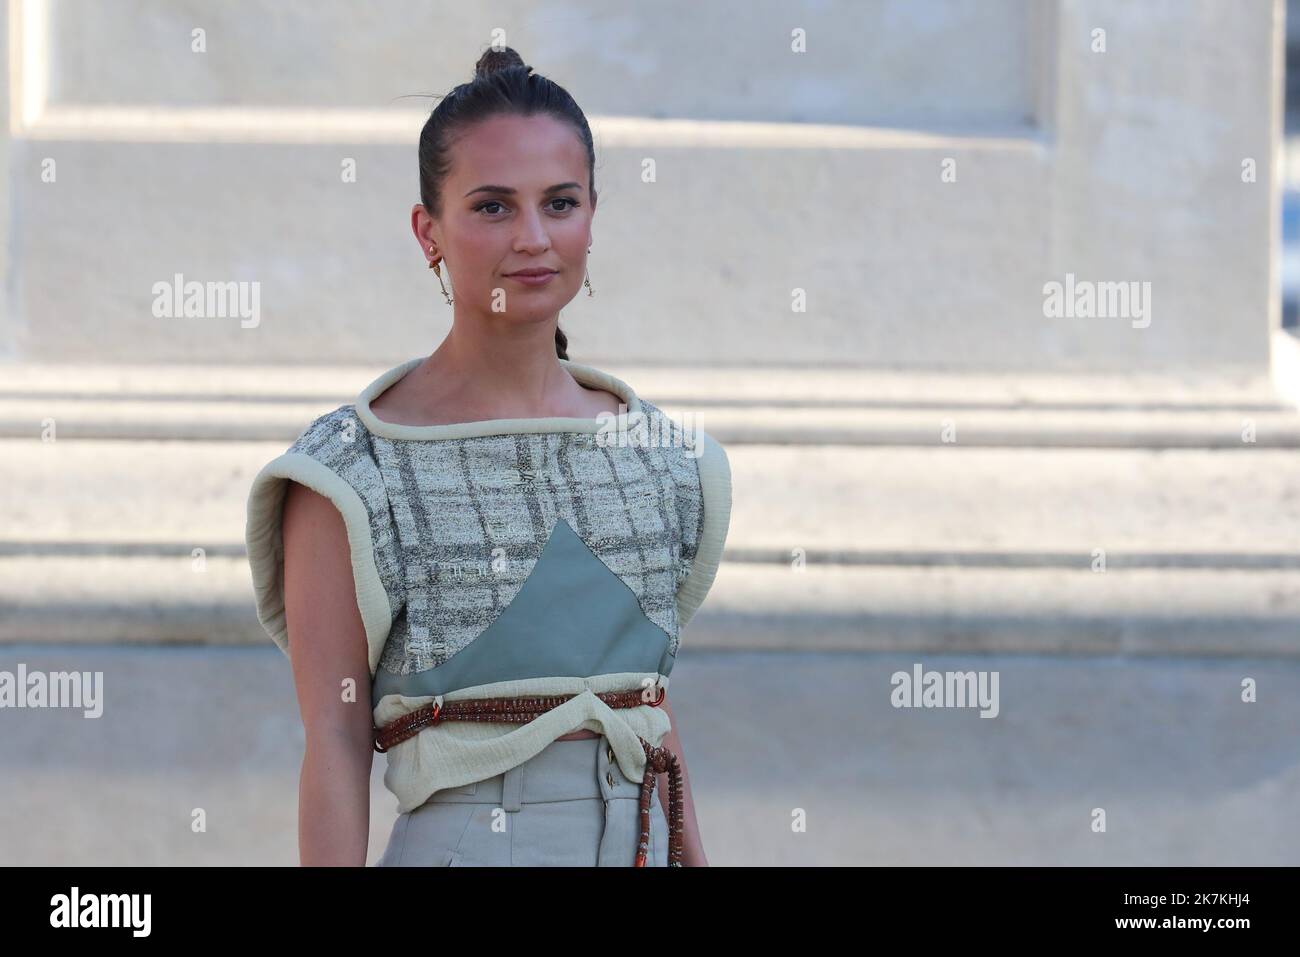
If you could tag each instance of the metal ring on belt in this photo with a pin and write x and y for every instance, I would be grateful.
(523, 710)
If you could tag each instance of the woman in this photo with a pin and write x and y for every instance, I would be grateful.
(504, 544)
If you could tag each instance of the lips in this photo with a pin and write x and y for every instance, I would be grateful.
(532, 272)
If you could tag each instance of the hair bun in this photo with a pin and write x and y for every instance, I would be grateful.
(494, 60)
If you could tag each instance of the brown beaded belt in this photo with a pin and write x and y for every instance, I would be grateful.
(523, 710)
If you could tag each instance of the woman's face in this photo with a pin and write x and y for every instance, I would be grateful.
(516, 198)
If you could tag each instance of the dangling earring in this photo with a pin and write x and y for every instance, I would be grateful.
(433, 264)
(586, 281)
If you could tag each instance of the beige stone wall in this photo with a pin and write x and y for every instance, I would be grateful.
(224, 166)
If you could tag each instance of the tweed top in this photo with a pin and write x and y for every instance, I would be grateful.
(504, 558)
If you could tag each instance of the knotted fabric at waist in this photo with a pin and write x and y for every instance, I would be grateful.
(659, 760)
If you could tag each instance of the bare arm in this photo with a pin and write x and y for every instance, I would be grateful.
(327, 646)
(692, 846)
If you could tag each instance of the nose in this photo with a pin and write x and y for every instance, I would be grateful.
(532, 236)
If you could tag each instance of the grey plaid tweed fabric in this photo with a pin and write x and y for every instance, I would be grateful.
(457, 524)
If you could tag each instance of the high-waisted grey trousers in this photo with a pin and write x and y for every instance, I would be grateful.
(567, 806)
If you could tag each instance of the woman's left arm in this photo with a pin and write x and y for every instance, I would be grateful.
(692, 846)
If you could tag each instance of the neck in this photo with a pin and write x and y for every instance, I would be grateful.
(512, 375)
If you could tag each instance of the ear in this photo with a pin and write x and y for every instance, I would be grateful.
(423, 226)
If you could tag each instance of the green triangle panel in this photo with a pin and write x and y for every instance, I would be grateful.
(573, 617)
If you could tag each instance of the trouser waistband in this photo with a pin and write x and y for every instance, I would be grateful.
(562, 771)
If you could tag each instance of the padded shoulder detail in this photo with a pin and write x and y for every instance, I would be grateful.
(332, 457)
(702, 474)
(714, 471)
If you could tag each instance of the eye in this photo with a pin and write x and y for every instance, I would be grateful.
(483, 206)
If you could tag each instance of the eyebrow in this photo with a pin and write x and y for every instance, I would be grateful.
(509, 191)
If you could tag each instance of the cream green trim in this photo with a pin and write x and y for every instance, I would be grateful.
(266, 547)
(459, 752)
(715, 490)
(584, 374)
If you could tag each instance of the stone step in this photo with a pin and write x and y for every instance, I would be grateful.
(989, 549)
(908, 541)
(1023, 428)
(905, 506)
(738, 406)
(207, 599)
(1188, 773)
(748, 383)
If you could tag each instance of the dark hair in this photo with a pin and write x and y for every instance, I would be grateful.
(502, 84)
